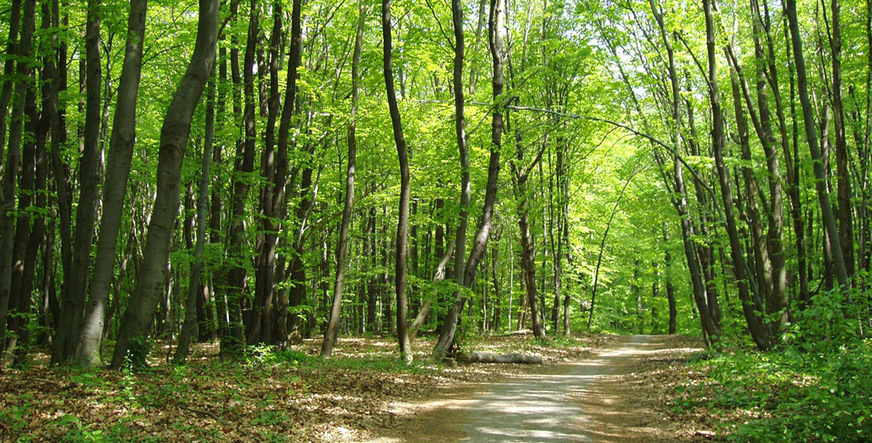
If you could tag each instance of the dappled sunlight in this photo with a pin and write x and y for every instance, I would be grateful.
(563, 402)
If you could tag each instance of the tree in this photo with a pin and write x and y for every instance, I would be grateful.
(402, 249)
(173, 144)
(75, 292)
(342, 244)
(117, 173)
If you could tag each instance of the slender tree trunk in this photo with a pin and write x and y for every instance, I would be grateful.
(342, 245)
(843, 175)
(470, 268)
(8, 70)
(755, 324)
(195, 286)
(602, 248)
(263, 314)
(670, 287)
(11, 164)
(453, 316)
(173, 143)
(820, 173)
(402, 245)
(284, 324)
(680, 199)
(30, 224)
(121, 147)
(232, 343)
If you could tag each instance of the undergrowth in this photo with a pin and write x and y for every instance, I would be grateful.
(814, 387)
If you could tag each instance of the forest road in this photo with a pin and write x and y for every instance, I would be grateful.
(581, 401)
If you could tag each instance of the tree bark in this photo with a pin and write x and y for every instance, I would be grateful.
(470, 268)
(75, 292)
(843, 175)
(121, 147)
(821, 181)
(758, 330)
(173, 143)
(195, 286)
(263, 314)
(11, 164)
(342, 245)
(402, 246)
(679, 201)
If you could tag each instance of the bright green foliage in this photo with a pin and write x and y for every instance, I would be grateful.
(815, 389)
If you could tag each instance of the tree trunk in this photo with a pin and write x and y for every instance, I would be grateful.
(469, 270)
(755, 324)
(73, 304)
(843, 178)
(670, 287)
(263, 314)
(402, 246)
(284, 323)
(173, 143)
(679, 201)
(342, 245)
(821, 182)
(195, 286)
(121, 147)
(11, 165)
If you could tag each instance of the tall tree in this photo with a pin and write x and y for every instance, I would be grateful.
(75, 291)
(12, 160)
(470, 267)
(342, 244)
(117, 173)
(821, 181)
(750, 306)
(173, 144)
(261, 325)
(402, 249)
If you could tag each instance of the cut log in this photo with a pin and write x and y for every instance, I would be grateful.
(489, 357)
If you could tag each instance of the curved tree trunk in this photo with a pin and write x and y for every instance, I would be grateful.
(195, 285)
(756, 326)
(470, 268)
(173, 143)
(820, 172)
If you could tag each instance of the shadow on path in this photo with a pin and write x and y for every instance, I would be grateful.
(545, 407)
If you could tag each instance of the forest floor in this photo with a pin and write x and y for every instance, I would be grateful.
(606, 387)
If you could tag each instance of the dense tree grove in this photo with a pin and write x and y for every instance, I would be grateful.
(264, 171)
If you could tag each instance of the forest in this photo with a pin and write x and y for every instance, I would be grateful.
(278, 178)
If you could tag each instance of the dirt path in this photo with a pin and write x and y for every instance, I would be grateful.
(590, 400)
